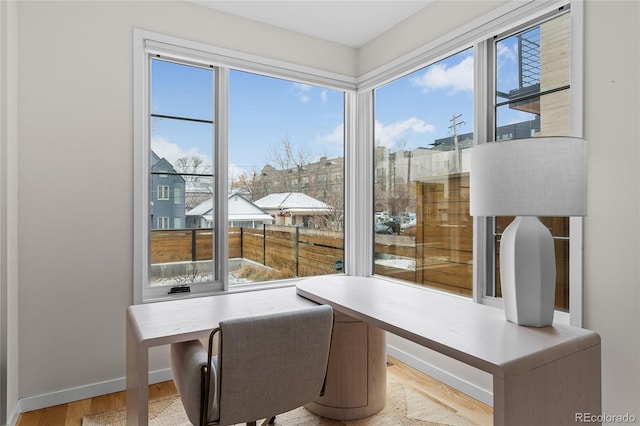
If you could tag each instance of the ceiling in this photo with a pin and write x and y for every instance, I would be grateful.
(348, 22)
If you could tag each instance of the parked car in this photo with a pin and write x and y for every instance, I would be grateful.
(381, 217)
(407, 217)
(406, 225)
(381, 228)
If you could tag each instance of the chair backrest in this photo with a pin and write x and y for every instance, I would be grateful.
(272, 363)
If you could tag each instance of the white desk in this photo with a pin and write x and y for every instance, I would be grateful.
(163, 323)
(541, 376)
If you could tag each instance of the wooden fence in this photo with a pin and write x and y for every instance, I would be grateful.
(292, 250)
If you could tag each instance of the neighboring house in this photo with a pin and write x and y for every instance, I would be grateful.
(167, 195)
(241, 211)
(294, 208)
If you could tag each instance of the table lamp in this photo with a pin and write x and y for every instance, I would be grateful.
(527, 178)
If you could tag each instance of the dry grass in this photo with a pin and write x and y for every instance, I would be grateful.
(259, 273)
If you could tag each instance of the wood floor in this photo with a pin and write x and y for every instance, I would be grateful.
(71, 414)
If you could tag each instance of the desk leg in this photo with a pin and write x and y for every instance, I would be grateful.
(357, 374)
(137, 381)
(552, 394)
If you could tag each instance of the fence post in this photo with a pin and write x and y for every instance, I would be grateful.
(264, 244)
(194, 255)
(297, 251)
(242, 242)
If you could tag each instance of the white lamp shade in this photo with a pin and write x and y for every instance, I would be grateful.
(544, 176)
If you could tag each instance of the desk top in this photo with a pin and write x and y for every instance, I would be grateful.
(475, 334)
(173, 321)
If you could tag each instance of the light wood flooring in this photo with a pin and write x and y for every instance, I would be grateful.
(71, 413)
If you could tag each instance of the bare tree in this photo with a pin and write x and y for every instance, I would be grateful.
(198, 179)
(289, 163)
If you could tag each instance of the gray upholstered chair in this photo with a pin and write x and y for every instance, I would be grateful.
(266, 365)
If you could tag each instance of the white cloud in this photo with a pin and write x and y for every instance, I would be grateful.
(336, 136)
(302, 92)
(506, 54)
(389, 135)
(323, 95)
(171, 151)
(456, 78)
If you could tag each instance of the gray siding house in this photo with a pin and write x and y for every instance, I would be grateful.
(167, 195)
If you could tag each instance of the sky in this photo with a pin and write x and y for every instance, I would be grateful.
(410, 112)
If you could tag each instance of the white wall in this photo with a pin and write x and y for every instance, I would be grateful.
(435, 20)
(75, 167)
(612, 228)
(612, 239)
(8, 213)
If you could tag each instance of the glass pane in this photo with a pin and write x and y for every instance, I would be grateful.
(286, 168)
(532, 81)
(533, 98)
(533, 61)
(181, 90)
(181, 175)
(423, 129)
(553, 118)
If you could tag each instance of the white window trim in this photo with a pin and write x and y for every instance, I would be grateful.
(162, 222)
(359, 120)
(164, 191)
(146, 43)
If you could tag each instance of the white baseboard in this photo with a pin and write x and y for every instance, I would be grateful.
(445, 377)
(96, 389)
(82, 392)
(13, 416)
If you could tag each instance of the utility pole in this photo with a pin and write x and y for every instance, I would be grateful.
(454, 127)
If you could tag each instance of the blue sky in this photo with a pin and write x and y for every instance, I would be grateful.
(411, 112)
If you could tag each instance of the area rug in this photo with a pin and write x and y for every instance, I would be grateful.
(404, 406)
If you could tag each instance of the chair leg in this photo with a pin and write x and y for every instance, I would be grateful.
(265, 422)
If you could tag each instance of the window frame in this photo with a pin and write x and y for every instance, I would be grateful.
(486, 271)
(147, 44)
(359, 151)
(478, 34)
(162, 222)
(163, 192)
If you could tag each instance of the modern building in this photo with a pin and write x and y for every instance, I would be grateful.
(67, 91)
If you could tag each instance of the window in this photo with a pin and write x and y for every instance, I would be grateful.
(284, 138)
(424, 123)
(163, 223)
(177, 145)
(227, 170)
(239, 132)
(423, 129)
(532, 98)
(163, 193)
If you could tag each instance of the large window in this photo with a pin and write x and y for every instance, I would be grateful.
(285, 216)
(423, 130)
(243, 161)
(424, 123)
(532, 98)
(242, 179)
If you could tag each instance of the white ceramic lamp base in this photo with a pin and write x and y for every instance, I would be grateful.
(528, 272)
